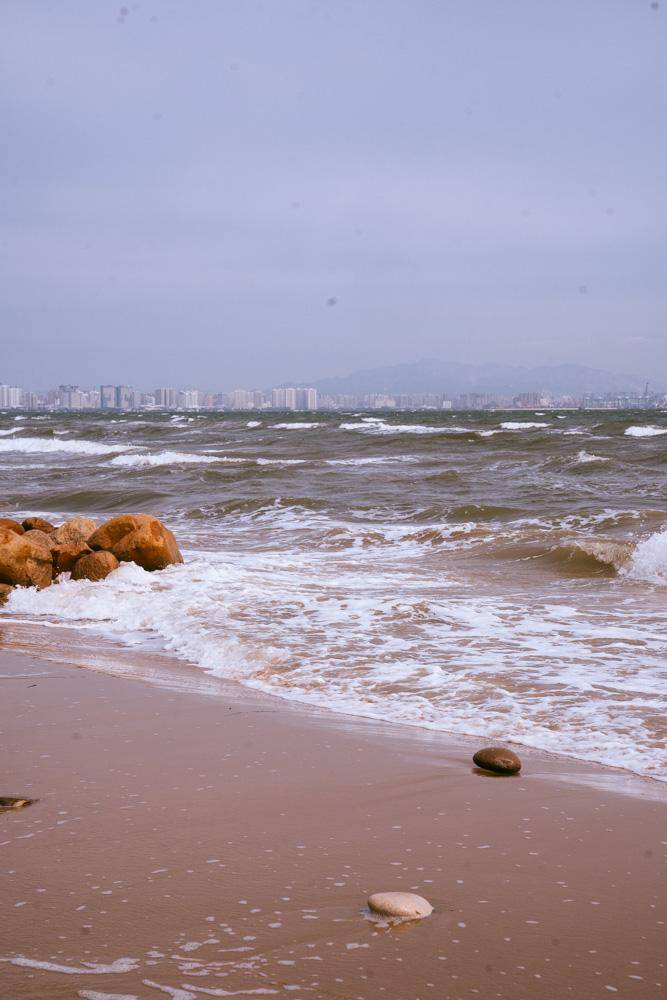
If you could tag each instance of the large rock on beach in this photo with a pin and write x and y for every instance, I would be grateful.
(11, 525)
(24, 563)
(498, 759)
(64, 556)
(138, 538)
(5, 591)
(405, 905)
(78, 529)
(38, 537)
(95, 566)
(38, 524)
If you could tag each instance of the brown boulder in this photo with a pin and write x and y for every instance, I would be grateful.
(11, 525)
(64, 556)
(78, 529)
(498, 759)
(22, 562)
(138, 538)
(95, 566)
(12, 802)
(39, 524)
(5, 591)
(40, 538)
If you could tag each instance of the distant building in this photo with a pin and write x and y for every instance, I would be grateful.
(125, 397)
(188, 399)
(107, 397)
(306, 399)
(241, 399)
(166, 399)
(283, 399)
(11, 396)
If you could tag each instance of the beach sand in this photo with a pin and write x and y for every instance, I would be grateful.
(215, 842)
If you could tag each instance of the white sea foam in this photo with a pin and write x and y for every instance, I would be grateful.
(47, 446)
(162, 458)
(377, 426)
(280, 461)
(85, 969)
(585, 458)
(649, 560)
(521, 425)
(644, 430)
(302, 426)
(254, 423)
(96, 995)
(378, 460)
(12, 430)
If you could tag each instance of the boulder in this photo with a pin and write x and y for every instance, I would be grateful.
(23, 562)
(11, 525)
(40, 538)
(79, 529)
(498, 759)
(406, 905)
(11, 802)
(138, 538)
(39, 524)
(64, 556)
(5, 591)
(95, 566)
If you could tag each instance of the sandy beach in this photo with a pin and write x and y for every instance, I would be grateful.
(217, 842)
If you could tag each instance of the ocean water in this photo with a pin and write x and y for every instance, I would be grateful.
(503, 575)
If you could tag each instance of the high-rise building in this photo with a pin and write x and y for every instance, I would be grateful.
(107, 397)
(188, 399)
(166, 399)
(125, 397)
(241, 399)
(306, 399)
(283, 399)
(11, 396)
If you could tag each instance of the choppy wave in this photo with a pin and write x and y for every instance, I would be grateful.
(11, 430)
(45, 446)
(296, 426)
(521, 425)
(162, 458)
(585, 458)
(649, 560)
(644, 430)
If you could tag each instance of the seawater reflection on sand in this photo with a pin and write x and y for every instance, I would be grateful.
(499, 574)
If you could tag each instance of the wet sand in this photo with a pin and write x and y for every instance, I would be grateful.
(194, 844)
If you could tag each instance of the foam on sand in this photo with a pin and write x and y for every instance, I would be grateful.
(644, 430)
(45, 446)
(86, 969)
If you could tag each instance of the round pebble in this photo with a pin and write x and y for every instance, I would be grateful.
(407, 905)
(498, 759)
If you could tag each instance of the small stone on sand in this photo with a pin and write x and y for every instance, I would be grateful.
(10, 802)
(407, 905)
(498, 759)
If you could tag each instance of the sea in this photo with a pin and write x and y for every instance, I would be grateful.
(497, 574)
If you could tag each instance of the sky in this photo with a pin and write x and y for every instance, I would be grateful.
(231, 193)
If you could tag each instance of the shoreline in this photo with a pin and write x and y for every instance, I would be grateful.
(224, 844)
(171, 672)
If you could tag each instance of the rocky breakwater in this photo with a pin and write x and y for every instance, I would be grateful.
(35, 553)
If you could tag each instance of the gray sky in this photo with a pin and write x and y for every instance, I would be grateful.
(188, 184)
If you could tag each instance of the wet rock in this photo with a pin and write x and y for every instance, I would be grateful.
(10, 802)
(95, 566)
(64, 556)
(78, 529)
(38, 524)
(138, 538)
(40, 538)
(406, 905)
(5, 591)
(498, 759)
(24, 563)
(11, 525)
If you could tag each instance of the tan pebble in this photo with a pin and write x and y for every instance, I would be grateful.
(407, 905)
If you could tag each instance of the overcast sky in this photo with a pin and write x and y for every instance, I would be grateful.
(235, 193)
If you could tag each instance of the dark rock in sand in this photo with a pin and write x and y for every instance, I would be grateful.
(498, 759)
(39, 524)
(22, 562)
(11, 525)
(64, 556)
(138, 538)
(10, 802)
(5, 591)
(95, 566)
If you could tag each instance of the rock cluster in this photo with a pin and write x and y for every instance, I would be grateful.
(35, 552)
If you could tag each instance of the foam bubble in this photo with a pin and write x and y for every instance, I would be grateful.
(254, 423)
(649, 561)
(644, 430)
(297, 426)
(85, 969)
(163, 458)
(585, 458)
(521, 425)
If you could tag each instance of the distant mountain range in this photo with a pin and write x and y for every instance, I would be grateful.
(430, 375)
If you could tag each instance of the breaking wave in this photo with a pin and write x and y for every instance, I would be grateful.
(162, 458)
(37, 445)
(644, 430)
